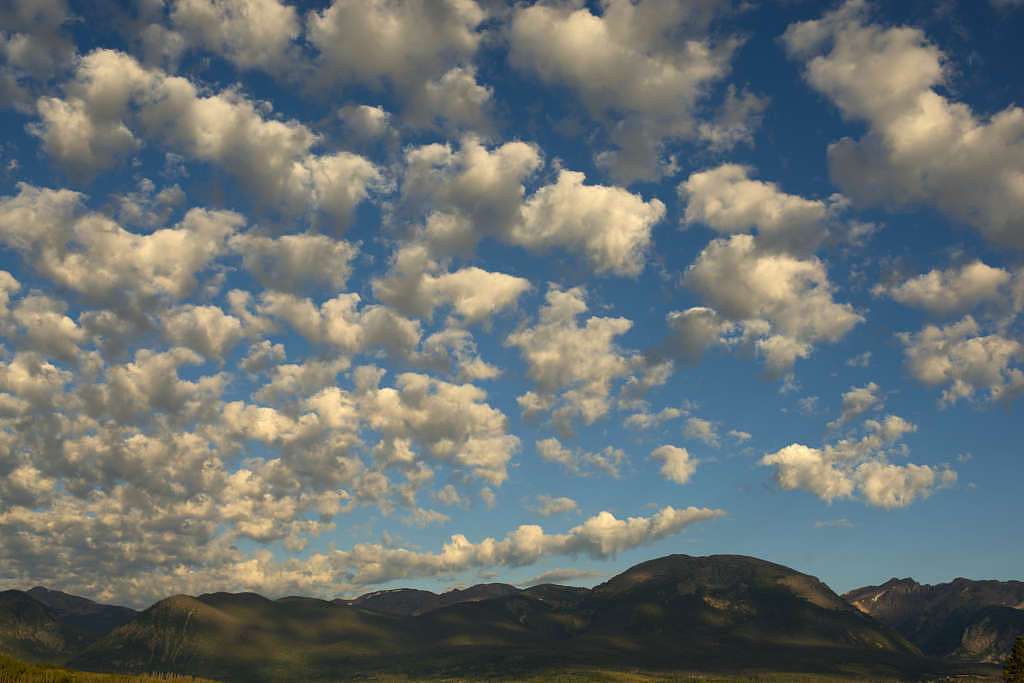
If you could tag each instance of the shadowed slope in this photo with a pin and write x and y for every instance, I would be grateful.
(974, 620)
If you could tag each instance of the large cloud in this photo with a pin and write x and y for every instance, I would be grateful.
(88, 253)
(644, 68)
(921, 146)
(422, 50)
(113, 104)
(570, 363)
(782, 303)
(964, 359)
(465, 194)
(851, 467)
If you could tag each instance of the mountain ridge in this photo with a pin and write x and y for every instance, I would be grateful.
(678, 612)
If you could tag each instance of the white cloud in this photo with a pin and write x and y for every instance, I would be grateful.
(88, 253)
(547, 505)
(608, 460)
(112, 98)
(953, 290)
(677, 465)
(599, 537)
(572, 363)
(610, 226)
(965, 360)
(856, 402)
(341, 323)
(293, 263)
(783, 303)
(205, 329)
(647, 420)
(699, 429)
(847, 468)
(921, 147)
(415, 286)
(728, 201)
(470, 193)
(421, 50)
(646, 66)
(250, 33)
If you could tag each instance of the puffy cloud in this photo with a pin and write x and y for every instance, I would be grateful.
(415, 287)
(856, 402)
(728, 201)
(953, 290)
(575, 363)
(547, 505)
(472, 192)
(699, 429)
(920, 146)
(250, 33)
(33, 48)
(608, 460)
(677, 465)
(647, 420)
(610, 226)
(965, 360)
(451, 421)
(783, 303)
(421, 50)
(692, 331)
(293, 263)
(643, 66)
(90, 254)
(339, 322)
(205, 329)
(47, 330)
(112, 97)
(847, 468)
(599, 537)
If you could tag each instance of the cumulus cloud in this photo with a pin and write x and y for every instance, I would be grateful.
(783, 304)
(249, 33)
(577, 461)
(953, 290)
(415, 286)
(33, 48)
(728, 201)
(463, 195)
(676, 463)
(921, 146)
(422, 51)
(90, 254)
(851, 468)
(699, 429)
(572, 365)
(856, 402)
(547, 505)
(965, 360)
(642, 68)
(113, 100)
(294, 263)
(599, 537)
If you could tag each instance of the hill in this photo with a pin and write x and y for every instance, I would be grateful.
(971, 620)
(720, 613)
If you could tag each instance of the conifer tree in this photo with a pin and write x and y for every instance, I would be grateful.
(1014, 670)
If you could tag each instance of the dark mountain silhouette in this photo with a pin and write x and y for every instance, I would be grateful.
(29, 629)
(82, 614)
(410, 601)
(723, 613)
(972, 620)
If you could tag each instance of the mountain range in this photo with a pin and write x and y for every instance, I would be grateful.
(723, 613)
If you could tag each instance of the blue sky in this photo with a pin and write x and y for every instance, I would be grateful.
(321, 298)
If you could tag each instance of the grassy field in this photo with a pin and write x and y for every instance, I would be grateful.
(15, 671)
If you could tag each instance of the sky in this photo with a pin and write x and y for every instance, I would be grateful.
(332, 297)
